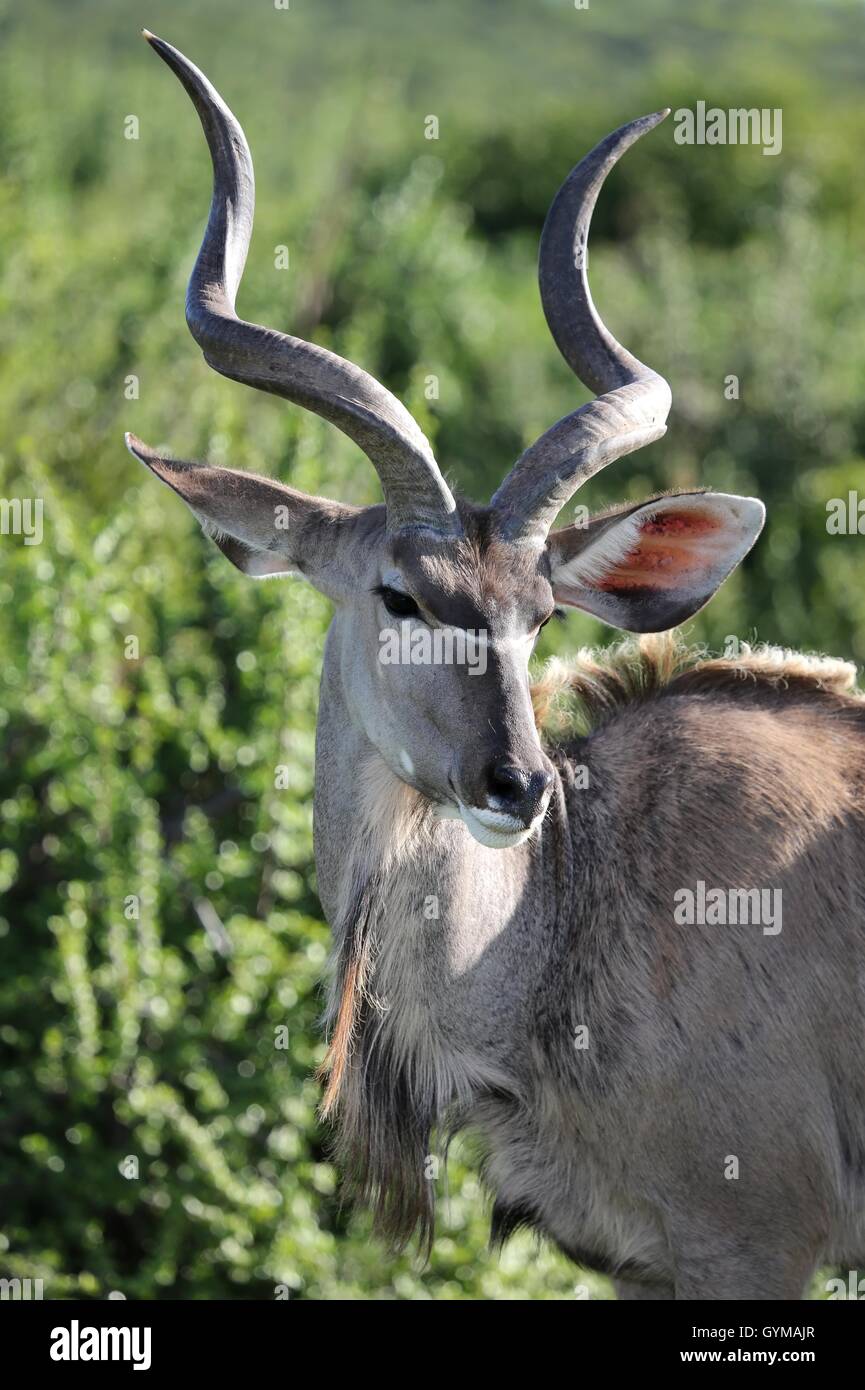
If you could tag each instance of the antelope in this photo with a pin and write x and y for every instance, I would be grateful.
(680, 1106)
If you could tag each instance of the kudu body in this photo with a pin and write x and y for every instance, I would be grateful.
(681, 1105)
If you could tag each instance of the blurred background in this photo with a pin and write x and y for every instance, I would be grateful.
(159, 923)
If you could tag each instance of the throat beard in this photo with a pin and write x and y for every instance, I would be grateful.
(381, 1099)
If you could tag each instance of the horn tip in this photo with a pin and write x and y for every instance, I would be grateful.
(157, 44)
(656, 117)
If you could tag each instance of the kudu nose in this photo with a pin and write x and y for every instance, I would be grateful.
(516, 790)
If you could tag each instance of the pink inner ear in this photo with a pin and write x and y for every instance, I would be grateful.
(672, 548)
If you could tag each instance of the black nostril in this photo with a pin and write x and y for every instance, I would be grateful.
(518, 791)
(506, 782)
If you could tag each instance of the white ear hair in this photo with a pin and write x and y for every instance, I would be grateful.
(655, 565)
(599, 559)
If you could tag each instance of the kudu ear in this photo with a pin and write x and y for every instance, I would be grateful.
(652, 566)
(263, 527)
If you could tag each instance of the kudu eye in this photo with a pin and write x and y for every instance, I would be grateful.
(398, 604)
(557, 613)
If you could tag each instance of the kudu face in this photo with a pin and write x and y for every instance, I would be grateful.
(433, 653)
(438, 604)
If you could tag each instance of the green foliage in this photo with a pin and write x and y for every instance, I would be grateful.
(159, 923)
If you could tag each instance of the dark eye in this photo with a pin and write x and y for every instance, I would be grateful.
(557, 613)
(396, 603)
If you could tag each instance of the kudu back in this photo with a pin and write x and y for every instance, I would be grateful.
(612, 926)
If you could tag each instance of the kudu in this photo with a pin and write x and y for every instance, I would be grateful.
(682, 1106)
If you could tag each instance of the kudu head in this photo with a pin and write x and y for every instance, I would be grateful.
(424, 567)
